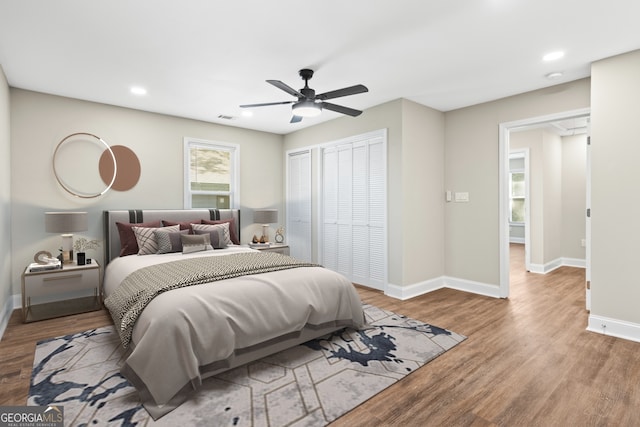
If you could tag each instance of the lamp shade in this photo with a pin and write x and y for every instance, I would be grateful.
(65, 222)
(265, 216)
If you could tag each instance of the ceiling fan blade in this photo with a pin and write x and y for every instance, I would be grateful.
(352, 90)
(286, 88)
(341, 109)
(266, 104)
(296, 119)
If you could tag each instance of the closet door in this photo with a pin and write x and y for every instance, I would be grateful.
(354, 209)
(298, 205)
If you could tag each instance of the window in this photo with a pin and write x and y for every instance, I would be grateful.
(211, 174)
(517, 193)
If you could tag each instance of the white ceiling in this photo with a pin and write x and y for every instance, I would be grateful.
(203, 58)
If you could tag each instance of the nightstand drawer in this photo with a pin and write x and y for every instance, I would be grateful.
(44, 284)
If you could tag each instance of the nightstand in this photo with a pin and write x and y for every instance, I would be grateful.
(275, 247)
(47, 285)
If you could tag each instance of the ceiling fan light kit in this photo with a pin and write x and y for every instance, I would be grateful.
(309, 104)
(306, 108)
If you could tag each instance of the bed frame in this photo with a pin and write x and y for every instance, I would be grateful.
(112, 237)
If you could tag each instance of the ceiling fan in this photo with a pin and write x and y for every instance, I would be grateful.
(309, 104)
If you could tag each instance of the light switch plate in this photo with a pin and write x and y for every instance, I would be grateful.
(462, 197)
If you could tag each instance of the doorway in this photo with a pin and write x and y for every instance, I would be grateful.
(550, 122)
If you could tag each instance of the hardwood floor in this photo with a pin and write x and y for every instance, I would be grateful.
(528, 360)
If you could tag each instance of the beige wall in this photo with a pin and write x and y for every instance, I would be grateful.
(557, 194)
(415, 141)
(5, 200)
(472, 247)
(39, 122)
(615, 151)
(552, 196)
(422, 173)
(574, 195)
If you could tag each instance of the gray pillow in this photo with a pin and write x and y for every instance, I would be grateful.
(220, 237)
(169, 241)
(191, 243)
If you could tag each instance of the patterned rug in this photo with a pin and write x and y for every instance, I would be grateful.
(308, 385)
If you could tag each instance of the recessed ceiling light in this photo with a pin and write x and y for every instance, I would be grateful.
(138, 90)
(247, 113)
(554, 75)
(552, 56)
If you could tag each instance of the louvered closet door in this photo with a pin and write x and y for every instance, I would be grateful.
(354, 210)
(298, 231)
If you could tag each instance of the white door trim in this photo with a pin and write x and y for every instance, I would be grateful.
(504, 129)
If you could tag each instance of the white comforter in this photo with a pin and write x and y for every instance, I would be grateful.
(185, 333)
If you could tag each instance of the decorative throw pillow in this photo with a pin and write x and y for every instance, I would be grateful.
(147, 243)
(185, 225)
(128, 242)
(232, 228)
(191, 243)
(169, 242)
(220, 236)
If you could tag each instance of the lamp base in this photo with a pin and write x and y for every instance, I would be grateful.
(67, 257)
(67, 248)
(265, 233)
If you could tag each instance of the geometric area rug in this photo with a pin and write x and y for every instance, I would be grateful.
(311, 384)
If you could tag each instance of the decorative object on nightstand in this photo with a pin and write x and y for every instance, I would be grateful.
(66, 222)
(43, 291)
(279, 235)
(265, 217)
(81, 246)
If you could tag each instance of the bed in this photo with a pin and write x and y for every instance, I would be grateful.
(187, 315)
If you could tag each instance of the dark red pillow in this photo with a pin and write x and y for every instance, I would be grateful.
(232, 228)
(185, 225)
(128, 242)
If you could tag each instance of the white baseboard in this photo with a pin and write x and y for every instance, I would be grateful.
(406, 292)
(557, 263)
(613, 327)
(416, 289)
(11, 303)
(473, 287)
(517, 240)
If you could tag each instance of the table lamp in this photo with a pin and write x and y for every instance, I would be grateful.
(66, 223)
(265, 217)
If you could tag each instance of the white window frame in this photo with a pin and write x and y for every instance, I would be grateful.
(234, 149)
(511, 196)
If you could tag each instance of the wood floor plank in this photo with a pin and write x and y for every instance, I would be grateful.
(528, 359)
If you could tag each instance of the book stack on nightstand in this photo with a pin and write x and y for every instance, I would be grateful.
(271, 247)
(44, 292)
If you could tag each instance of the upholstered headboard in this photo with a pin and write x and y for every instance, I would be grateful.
(112, 237)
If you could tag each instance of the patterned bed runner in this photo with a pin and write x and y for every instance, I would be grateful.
(141, 286)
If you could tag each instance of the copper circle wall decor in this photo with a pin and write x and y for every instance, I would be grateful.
(74, 167)
(128, 168)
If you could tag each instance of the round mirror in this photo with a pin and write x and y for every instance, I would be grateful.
(76, 165)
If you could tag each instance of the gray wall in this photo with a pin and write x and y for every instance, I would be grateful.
(574, 195)
(415, 176)
(615, 175)
(5, 200)
(472, 247)
(40, 121)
